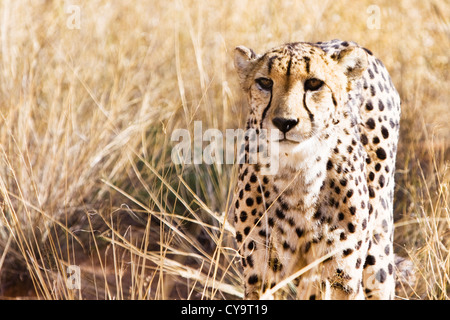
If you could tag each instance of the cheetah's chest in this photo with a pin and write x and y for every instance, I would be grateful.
(307, 211)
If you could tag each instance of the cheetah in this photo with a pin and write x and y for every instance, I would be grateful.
(337, 113)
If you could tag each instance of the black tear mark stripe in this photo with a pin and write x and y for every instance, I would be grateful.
(332, 96)
(311, 116)
(265, 110)
(334, 99)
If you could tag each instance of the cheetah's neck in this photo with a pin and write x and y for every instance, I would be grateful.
(303, 173)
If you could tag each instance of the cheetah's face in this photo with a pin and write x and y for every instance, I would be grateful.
(297, 89)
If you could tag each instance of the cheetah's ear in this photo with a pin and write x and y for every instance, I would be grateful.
(353, 61)
(244, 59)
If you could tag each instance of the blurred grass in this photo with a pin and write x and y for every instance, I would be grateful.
(86, 119)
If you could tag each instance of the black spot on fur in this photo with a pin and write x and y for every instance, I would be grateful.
(370, 123)
(238, 236)
(250, 261)
(329, 165)
(351, 227)
(381, 181)
(347, 252)
(370, 261)
(317, 215)
(253, 279)
(243, 216)
(381, 154)
(368, 51)
(381, 275)
(280, 214)
(364, 139)
(385, 132)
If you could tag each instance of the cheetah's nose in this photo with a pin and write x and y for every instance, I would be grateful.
(283, 124)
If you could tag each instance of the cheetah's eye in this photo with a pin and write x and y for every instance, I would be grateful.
(313, 84)
(264, 83)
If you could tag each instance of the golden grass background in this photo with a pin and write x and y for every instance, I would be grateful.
(86, 116)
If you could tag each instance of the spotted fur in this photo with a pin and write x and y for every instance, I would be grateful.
(338, 115)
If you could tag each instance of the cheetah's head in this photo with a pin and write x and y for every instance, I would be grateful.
(298, 89)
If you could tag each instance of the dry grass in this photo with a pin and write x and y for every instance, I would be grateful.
(86, 117)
